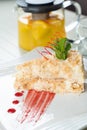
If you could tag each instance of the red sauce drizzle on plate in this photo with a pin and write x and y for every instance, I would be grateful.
(19, 94)
(15, 102)
(11, 110)
(35, 104)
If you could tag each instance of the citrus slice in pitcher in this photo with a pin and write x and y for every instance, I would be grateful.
(40, 29)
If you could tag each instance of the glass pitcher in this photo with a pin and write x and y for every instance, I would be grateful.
(41, 22)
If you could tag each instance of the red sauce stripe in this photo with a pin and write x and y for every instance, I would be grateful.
(29, 103)
(42, 106)
(35, 104)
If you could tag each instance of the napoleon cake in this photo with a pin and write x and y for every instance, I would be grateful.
(59, 72)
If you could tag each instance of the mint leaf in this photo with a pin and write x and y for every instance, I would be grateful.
(61, 44)
(61, 48)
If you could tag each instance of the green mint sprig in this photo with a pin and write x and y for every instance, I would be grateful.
(61, 47)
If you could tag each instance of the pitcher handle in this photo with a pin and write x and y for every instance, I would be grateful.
(78, 13)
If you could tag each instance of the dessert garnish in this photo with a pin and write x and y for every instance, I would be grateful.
(61, 47)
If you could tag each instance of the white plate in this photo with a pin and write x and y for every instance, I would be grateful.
(63, 107)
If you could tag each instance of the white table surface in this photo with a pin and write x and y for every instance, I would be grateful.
(9, 48)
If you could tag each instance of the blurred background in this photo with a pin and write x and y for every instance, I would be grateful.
(83, 4)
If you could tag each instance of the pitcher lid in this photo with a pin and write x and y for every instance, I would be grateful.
(42, 6)
(39, 2)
